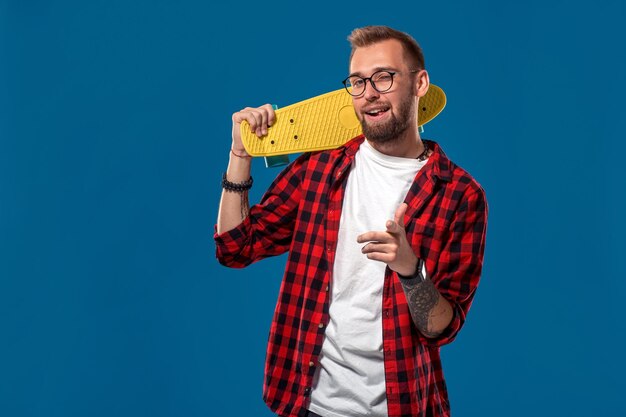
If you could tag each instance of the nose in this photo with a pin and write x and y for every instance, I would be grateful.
(370, 92)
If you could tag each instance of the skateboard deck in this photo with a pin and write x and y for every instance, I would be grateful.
(323, 122)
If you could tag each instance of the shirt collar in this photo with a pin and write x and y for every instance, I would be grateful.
(352, 146)
(440, 164)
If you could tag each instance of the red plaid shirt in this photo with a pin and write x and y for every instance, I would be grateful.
(445, 224)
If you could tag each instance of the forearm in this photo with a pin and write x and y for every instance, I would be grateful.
(234, 206)
(430, 312)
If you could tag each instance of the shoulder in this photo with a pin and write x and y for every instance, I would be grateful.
(324, 160)
(460, 183)
(466, 183)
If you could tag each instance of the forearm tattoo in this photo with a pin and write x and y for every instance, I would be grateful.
(245, 206)
(422, 298)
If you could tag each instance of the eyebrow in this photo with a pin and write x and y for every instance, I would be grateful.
(360, 74)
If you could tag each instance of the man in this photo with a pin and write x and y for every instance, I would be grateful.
(385, 238)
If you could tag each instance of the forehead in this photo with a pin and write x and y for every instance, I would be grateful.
(385, 54)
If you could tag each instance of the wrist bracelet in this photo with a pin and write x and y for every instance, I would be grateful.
(239, 156)
(236, 187)
(419, 275)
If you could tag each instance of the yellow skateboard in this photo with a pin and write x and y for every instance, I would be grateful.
(323, 122)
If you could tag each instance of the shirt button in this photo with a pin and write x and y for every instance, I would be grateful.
(327, 288)
(311, 364)
(307, 391)
(320, 325)
(386, 313)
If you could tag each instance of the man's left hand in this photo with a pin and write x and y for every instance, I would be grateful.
(391, 246)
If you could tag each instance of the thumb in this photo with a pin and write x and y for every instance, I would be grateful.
(397, 224)
(398, 217)
(392, 226)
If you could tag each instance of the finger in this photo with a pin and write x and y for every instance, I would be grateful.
(247, 115)
(374, 247)
(374, 237)
(264, 115)
(254, 118)
(392, 226)
(397, 224)
(399, 215)
(238, 117)
(257, 127)
(271, 114)
(381, 257)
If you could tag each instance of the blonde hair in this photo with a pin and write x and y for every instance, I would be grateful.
(370, 35)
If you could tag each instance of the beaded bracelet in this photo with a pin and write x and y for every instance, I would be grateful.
(236, 187)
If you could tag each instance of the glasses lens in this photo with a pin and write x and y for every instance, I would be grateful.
(382, 80)
(355, 85)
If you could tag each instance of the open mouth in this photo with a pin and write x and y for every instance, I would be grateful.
(376, 113)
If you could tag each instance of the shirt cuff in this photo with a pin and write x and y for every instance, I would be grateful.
(229, 244)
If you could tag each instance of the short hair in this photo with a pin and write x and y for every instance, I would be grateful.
(370, 35)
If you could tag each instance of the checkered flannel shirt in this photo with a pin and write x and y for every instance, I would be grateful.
(300, 212)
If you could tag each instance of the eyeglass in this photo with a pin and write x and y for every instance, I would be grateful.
(380, 80)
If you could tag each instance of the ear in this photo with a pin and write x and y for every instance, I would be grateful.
(421, 83)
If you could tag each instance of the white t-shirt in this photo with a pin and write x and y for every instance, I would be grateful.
(351, 376)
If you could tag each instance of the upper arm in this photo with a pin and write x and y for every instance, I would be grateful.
(268, 228)
(460, 261)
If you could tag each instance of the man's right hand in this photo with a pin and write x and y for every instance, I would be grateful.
(234, 206)
(259, 118)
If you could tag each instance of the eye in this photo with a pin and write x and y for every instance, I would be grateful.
(357, 82)
(383, 77)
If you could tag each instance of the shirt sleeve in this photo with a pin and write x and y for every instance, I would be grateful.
(460, 263)
(268, 229)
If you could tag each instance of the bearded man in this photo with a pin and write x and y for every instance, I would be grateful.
(385, 238)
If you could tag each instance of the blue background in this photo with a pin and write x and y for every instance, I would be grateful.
(114, 132)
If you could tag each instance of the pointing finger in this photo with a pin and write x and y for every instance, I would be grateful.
(374, 237)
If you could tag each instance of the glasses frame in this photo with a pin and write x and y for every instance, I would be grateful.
(372, 82)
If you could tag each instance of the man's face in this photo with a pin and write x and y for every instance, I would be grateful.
(384, 116)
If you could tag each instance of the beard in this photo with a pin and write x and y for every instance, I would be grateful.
(391, 129)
